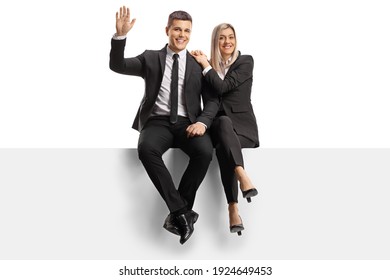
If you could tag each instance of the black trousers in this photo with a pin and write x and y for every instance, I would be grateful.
(155, 139)
(228, 147)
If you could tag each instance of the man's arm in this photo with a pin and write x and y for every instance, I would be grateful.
(119, 64)
(211, 103)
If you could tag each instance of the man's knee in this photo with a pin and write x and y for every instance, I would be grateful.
(146, 151)
(204, 152)
(207, 155)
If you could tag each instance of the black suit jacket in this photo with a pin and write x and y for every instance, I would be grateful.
(150, 66)
(235, 94)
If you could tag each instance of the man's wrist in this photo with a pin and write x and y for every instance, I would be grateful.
(205, 126)
(117, 36)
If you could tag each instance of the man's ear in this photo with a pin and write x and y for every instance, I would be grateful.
(166, 30)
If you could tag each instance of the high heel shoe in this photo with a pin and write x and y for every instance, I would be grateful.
(249, 193)
(237, 228)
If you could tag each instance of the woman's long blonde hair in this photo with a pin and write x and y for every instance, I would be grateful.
(216, 59)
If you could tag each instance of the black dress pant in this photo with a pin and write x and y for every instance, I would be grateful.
(155, 139)
(228, 147)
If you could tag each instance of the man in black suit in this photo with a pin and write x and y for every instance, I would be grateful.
(170, 114)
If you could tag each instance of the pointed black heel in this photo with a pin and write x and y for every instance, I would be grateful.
(237, 228)
(249, 193)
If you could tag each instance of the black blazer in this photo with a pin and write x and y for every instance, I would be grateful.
(235, 94)
(150, 66)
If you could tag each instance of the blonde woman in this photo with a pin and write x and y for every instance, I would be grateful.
(230, 75)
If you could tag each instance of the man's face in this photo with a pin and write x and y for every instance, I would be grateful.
(179, 34)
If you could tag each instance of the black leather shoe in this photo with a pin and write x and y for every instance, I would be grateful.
(171, 226)
(192, 215)
(185, 223)
(249, 193)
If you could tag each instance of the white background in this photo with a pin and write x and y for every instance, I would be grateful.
(321, 75)
(321, 81)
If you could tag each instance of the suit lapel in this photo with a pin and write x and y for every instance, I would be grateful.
(189, 65)
(162, 57)
(233, 65)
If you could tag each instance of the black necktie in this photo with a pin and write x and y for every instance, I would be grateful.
(174, 88)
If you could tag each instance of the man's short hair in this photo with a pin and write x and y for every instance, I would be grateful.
(179, 15)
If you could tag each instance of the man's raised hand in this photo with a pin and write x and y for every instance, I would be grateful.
(123, 23)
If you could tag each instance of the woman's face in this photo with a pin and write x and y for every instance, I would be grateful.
(227, 43)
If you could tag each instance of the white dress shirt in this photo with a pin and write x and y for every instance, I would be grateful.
(163, 107)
